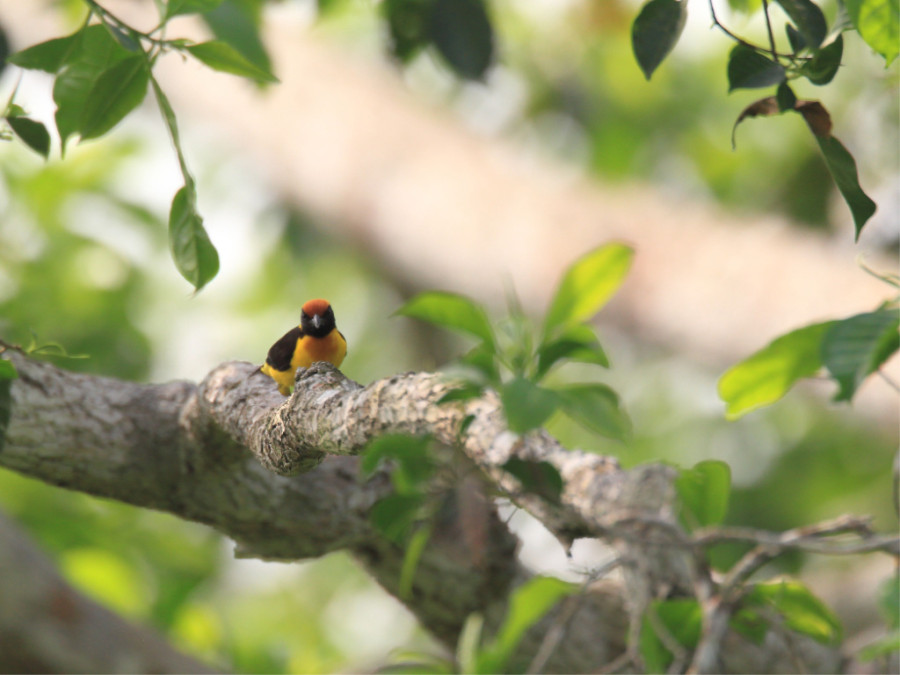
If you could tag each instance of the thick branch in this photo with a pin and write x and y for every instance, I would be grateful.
(46, 626)
(181, 448)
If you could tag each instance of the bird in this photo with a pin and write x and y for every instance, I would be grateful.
(315, 339)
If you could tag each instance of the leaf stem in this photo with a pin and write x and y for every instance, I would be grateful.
(765, 4)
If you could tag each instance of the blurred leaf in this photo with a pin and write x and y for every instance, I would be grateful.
(223, 57)
(411, 453)
(577, 343)
(750, 624)
(395, 515)
(808, 18)
(855, 347)
(237, 22)
(596, 406)
(878, 23)
(452, 311)
(587, 286)
(785, 97)
(764, 107)
(527, 605)
(748, 69)
(704, 491)
(484, 360)
(106, 577)
(882, 648)
(656, 31)
(824, 65)
(682, 618)
(48, 56)
(816, 117)
(795, 39)
(176, 7)
(802, 611)
(843, 168)
(7, 370)
(194, 255)
(94, 54)
(767, 375)
(469, 643)
(117, 91)
(407, 22)
(889, 601)
(526, 405)
(32, 133)
(4, 50)
(539, 478)
(462, 33)
(465, 392)
(411, 556)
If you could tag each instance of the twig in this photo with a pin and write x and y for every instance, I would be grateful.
(889, 380)
(765, 4)
(557, 631)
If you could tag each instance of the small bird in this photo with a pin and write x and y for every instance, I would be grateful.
(315, 339)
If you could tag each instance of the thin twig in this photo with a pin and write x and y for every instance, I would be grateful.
(765, 4)
(889, 380)
(557, 631)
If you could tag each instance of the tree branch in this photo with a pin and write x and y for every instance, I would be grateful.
(183, 449)
(46, 626)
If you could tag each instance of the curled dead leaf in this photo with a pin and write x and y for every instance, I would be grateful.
(763, 107)
(817, 117)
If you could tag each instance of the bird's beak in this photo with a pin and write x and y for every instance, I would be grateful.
(316, 320)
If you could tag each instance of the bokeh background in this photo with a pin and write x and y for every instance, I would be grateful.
(84, 264)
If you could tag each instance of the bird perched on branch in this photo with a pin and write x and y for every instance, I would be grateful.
(315, 339)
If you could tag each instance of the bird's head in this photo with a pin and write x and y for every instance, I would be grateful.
(317, 318)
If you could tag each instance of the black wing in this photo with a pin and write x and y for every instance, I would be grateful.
(281, 353)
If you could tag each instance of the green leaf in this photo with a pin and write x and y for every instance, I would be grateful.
(539, 478)
(704, 491)
(176, 7)
(223, 57)
(577, 343)
(452, 311)
(855, 347)
(411, 556)
(802, 611)
(462, 33)
(889, 601)
(843, 169)
(785, 97)
(750, 624)
(469, 643)
(682, 618)
(194, 255)
(95, 52)
(527, 605)
(7, 370)
(407, 22)
(796, 40)
(878, 23)
(395, 516)
(117, 91)
(656, 31)
(748, 69)
(587, 286)
(596, 406)
(32, 133)
(464, 392)
(414, 464)
(238, 22)
(484, 360)
(526, 405)
(767, 375)
(824, 65)
(48, 56)
(882, 648)
(808, 18)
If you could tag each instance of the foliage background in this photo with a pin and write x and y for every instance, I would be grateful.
(83, 263)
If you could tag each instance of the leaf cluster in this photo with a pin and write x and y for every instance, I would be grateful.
(102, 72)
(814, 52)
(514, 357)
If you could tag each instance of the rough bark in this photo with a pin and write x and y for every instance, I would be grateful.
(192, 450)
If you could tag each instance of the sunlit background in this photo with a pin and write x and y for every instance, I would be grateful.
(84, 264)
